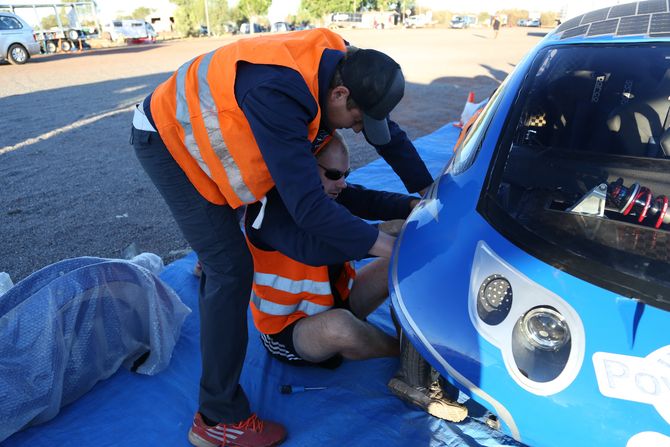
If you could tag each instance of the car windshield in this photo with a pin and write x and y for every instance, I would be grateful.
(582, 173)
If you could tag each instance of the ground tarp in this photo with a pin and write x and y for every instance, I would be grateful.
(356, 408)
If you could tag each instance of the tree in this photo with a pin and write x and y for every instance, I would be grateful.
(220, 17)
(188, 16)
(252, 9)
(141, 13)
(320, 8)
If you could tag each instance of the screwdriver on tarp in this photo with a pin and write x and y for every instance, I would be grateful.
(290, 389)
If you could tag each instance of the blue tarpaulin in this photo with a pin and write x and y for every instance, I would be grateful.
(356, 408)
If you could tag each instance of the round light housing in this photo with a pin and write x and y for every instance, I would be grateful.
(541, 344)
(545, 329)
(494, 299)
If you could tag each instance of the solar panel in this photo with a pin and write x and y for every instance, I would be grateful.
(652, 6)
(627, 9)
(578, 31)
(604, 27)
(660, 25)
(575, 21)
(596, 16)
(633, 25)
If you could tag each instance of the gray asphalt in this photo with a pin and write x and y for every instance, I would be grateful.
(70, 184)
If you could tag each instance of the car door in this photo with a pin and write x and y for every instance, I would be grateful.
(9, 28)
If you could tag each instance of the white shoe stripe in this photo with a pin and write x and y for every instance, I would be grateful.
(219, 431)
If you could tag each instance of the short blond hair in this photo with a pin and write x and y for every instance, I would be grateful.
(337, 141)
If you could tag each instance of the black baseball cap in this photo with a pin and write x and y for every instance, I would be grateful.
(376, 84)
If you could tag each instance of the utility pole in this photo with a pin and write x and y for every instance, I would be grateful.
(209, 30)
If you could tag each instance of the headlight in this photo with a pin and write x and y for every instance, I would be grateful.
(541, 344)
(545, 329)
(494, 299)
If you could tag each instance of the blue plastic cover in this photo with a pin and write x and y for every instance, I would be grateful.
(355, 409)
(72, 324)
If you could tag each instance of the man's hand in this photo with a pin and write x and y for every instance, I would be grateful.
(383, 246)
(392, 227)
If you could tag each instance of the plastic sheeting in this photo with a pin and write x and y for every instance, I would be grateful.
(72, 324)
(356, 408)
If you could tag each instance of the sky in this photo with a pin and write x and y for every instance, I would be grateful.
(281, 8)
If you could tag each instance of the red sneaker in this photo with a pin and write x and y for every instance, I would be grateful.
(251, 432)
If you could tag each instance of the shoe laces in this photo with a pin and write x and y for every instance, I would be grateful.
(252, 423)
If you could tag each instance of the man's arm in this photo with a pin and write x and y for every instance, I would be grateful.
(279, 107)
(402, 156)
(371, 204)
(279, 232)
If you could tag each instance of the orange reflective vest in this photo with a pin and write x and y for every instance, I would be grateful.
(285, 290)
(200, 122)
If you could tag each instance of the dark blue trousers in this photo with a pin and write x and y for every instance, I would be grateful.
(214, 233)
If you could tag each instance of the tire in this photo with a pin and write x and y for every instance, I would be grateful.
(66, 45)
(51, 47)
(73, 34)
(17, 54)
(418, 372)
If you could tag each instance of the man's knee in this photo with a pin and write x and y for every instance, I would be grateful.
(343, 327)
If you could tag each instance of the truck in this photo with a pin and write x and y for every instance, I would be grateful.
(67, 33)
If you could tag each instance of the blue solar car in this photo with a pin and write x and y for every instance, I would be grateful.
(535, 274)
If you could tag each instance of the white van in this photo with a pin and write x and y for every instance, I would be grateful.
(17, 40)
(129, 29)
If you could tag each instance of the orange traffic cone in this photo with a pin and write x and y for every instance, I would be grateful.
(468, 110)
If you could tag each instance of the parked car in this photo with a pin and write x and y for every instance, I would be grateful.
(535, 273)
(458, 22)
(417, 21)
(280, 27)
(522, 22)
(17, 40)
(534, 23)
(244, 28)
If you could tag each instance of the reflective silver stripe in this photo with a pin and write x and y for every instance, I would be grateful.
(184, 118)
(290, 286)
(271, 308)
(210, 117)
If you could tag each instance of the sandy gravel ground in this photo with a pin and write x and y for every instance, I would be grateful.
(69, 181)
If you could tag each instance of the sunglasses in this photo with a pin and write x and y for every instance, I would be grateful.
(334, 174)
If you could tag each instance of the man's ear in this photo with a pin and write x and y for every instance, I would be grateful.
(340, 92)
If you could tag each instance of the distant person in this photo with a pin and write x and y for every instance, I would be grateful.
(496, 27)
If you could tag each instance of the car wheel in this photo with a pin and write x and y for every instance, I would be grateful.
(17, 54)
(417, 371)
(51, 47)
(66, 45)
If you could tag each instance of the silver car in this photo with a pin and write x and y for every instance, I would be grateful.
(17, 41)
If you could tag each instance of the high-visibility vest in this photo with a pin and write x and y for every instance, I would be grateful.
(200, 122)
(285, 290)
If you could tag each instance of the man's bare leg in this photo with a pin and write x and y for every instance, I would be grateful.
(338, 331)
(370, 288)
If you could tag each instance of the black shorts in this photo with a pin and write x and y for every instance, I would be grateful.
(280, 345)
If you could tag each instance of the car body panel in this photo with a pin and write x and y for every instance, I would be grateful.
(13, 33)
(615, 386)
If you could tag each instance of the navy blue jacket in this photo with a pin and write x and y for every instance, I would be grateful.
(279, 231)
(279, 107)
